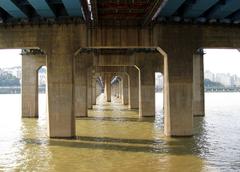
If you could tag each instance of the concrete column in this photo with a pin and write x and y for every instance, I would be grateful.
(98, 89)
(60, 90)
(114, 93)
(124, 89)
(117, 88)
(89, 87)
(198, 84)
(30, 65)
(133, 82)
(120, 85)
(107, 90)
(82, 63)
(94, 90)
(146, 92)
(178, 88)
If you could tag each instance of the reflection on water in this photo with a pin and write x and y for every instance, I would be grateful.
(113, 138)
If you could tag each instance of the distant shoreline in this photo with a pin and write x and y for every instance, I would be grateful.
(42, 90)
(17, 90)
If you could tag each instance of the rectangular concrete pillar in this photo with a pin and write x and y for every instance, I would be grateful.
(124, 89)
(120, 89)
(198, 84)
(107, 90)
(81, 77)
(114, 92)
(178, 86)
(133, 82)
(98, 89)
(60, 91)
(89, 87)
(30, 65)
(146, 92)
(117, 89)
(94, 90)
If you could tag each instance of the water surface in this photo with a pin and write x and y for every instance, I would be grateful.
(113, 138)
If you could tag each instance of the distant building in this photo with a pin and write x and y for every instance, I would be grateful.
(224, 79)
(159, 82)
(235, 81)
(209, 75)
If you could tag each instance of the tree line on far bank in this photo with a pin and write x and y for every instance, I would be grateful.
(9, 80)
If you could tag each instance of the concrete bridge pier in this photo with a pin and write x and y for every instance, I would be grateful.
(98, 89)
(118, 88)
(146, 84)
(107, 88)
(94, 89)
(120, 85)
(178, 90)
(146, 93)
(198, 84)
(124, 87)
(61, 119)
(82, 63)
(133, 88)
(32, 61)
(114, 90)
(89, 87)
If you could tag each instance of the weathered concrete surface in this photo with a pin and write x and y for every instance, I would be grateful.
(133, 87)
(89, 87)
(124, 87)
(30, 66)
(107, 88)
(94, 89)
(60, 42)
(146, 64)
(60, 88)
(82, 64)
(198, 84)
(178, 88)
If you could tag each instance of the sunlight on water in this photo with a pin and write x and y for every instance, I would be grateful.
(113, 138)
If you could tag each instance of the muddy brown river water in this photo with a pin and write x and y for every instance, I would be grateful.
(114, 139)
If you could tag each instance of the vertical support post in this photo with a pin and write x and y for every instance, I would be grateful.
(146, 92)
(82, 62)
(60, 90)
(30, 65)
(89, 87)
(198, 84)
(107, 90)
(124, 89)
(133, 82)
(94, 90)
(120, 89)
(178, 88)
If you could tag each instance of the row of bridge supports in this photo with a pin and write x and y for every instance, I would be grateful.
(135, 85)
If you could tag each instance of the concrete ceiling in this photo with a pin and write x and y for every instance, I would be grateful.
(112, 12)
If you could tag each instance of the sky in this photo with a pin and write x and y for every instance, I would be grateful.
(215, 60)
(10, 58)
(222, 61)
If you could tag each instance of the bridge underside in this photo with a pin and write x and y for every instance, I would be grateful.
(74, 51)
(124, 12)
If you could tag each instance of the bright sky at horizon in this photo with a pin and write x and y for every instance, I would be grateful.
(10, 58)
(215, 60)
(222, 61)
